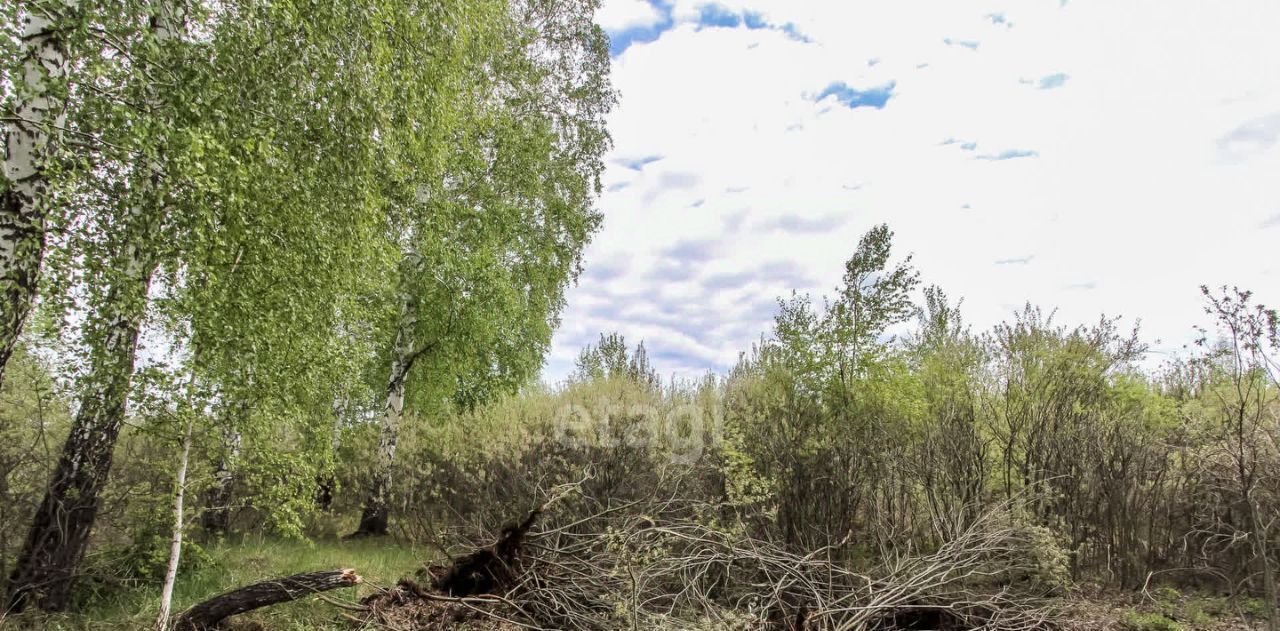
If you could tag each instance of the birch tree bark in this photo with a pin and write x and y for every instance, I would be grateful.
(216, 517)
(46, 570)
(175, 545)
(29, 138)
(373, 519)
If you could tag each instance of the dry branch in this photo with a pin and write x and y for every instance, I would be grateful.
(660, 563)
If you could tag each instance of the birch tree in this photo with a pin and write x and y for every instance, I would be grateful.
(62, 523)
(492, 244)
(236, 188)
(179, 514)
(33, 121)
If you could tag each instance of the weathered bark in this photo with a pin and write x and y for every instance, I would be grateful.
(373, 519)
(210, 614)
(175, 545)
(216, 518)
(24, 198)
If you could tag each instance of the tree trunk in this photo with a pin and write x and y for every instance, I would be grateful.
(1260, 538)
(209, 614)
(327, 482)
(216, 518)
(373, 520)
(46, 570)
(60, 529)
(28, 140)
(175, 546)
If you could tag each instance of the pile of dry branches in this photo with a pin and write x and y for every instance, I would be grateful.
(667, 563)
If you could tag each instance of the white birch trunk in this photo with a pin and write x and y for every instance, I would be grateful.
(374, 519)
(40, 114)
(61, 526)
(175, 546)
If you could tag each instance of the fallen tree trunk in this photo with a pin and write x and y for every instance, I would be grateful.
(210, 614)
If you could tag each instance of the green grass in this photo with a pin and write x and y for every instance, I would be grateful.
(1134, 621)
(380, 562)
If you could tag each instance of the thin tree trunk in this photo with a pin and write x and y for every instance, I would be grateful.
(373, 520)
(175, 546)
(327, 484)
(1260, 536)
(24, 198)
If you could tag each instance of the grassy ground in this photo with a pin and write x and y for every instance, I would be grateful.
(379, 562)
(1161, 609)
(382, 562)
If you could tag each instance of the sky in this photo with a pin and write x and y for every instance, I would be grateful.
(1089, 156)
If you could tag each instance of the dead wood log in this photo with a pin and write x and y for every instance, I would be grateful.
(210, 614)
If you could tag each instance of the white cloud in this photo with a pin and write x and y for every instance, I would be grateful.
(619, 15)
(1153, 168)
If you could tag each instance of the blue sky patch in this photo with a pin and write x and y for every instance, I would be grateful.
(970, 44)
(793, 32)
(854, 98)
(718, 16)
(714, 15)
(637, 164)
(1056, 80)
(620, 41)
(1009, 154)
(754, 20)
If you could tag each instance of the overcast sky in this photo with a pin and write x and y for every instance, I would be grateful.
(1093, 156)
